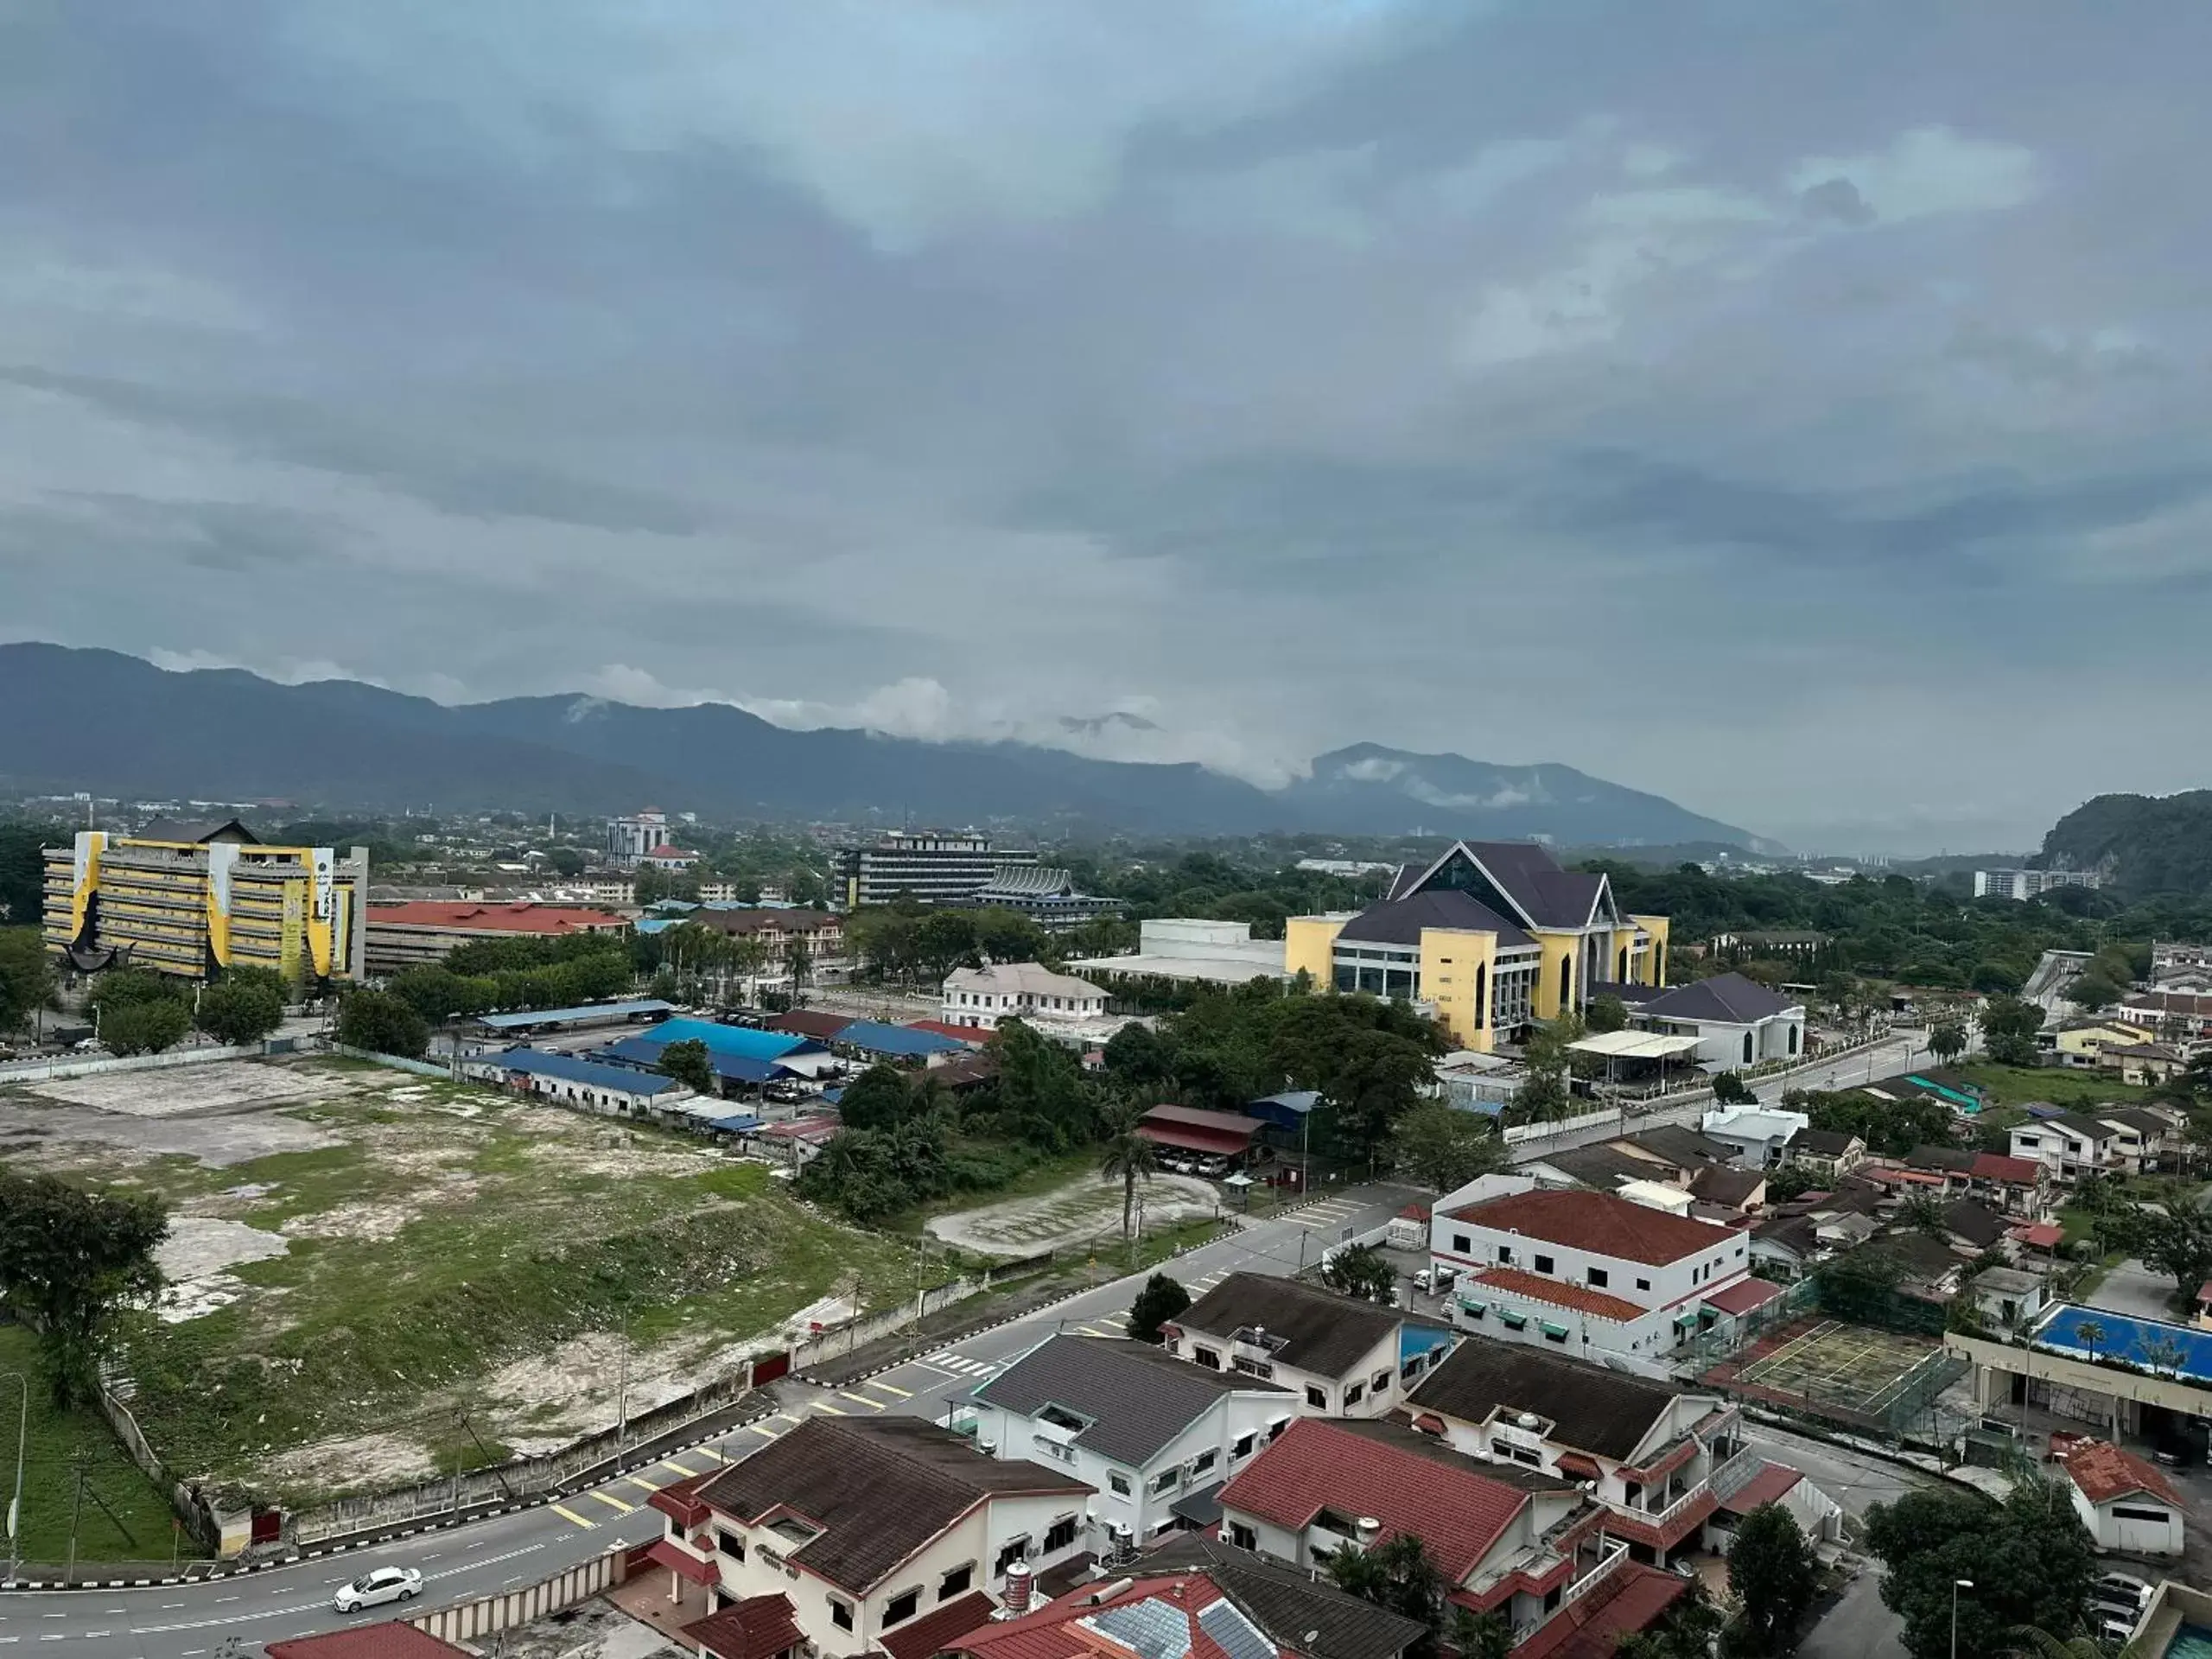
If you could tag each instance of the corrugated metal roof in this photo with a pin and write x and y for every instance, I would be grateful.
(873, 1037)
(587, 1010)
(572, 1068)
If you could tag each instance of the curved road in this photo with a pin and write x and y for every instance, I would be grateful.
(505, 1552)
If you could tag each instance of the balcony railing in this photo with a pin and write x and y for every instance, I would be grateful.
(1607, 1567)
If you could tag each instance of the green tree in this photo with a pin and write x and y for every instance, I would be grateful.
(2008, 1030)
(879, 1098)
(1772, 1573)
(1376, 1078)
(2029, 1559)
(1685, 1631)
(1127, 1157)
(26, 977)
(1947, 1040)
(144, 1028)
(1729, 1089)
(1396, 1574)
(239, 1012)
(2092, 991)
(22, 873)
(1140, 1058)
(72, 1258)
(567, 860)
(1605, 1013)
(382, 1024)
(1361, 1270)
(1160, 1301)
(1042, 1094)
(691, 1064)
(943, 940)
(1481, 1636)
(1923, 1211)
(1443, 1147)
(1007, 935)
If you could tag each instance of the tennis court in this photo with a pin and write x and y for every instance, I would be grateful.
(1849, 1373)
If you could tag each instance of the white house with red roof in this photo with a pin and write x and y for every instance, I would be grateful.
(2126, 1504)
(1589, 1272)
(1522, 1543)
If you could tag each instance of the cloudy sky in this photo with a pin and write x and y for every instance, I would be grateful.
(1798, 409)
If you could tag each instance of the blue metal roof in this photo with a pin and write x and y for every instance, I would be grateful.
(645, 1053)
(1284, 1110)
(743, 1123)
(590, 1010)
(744, 1040)
(594, 1074)
(653, 923)
(901, 1042)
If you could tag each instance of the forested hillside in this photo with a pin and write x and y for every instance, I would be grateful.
(2160, 844)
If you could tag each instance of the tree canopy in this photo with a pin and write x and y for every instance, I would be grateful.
(1160, 1301)
(71, 1257)
(383, 1023)
(1772, 1573)
(2029, 1557)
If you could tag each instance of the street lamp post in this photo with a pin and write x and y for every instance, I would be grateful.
(1957, 1584)
(15, 1506)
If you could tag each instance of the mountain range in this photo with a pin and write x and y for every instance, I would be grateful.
(116, 725)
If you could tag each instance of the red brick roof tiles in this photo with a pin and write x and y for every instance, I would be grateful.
(1599, 1223)
(1579, 1299)
(468, 916)
(2104, 1472)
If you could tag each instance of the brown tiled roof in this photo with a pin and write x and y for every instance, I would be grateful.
(942, 1628)
(1590, 1408)
(391, 1640)
(879, 1491)
(760, 1627)
(1320, 1331)
(1599, 1223)
(2104, 1472)
(1516, 1281)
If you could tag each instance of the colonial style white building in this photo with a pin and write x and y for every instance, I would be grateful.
(983, 997)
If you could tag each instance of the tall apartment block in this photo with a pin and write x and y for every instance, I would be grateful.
(930, 868)
(2021, 885)
(629, 840)
(192, 899)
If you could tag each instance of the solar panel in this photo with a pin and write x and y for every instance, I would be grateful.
(1152, 1629)
(1236, 1634)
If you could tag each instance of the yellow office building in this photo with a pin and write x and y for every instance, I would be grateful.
(192, 899)
(1494, 934)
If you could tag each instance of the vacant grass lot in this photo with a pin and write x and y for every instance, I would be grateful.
(122, 1516)
(2016, 1085)
(464, 1274)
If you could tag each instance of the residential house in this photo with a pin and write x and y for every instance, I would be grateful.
(1974, 1227)
(2018, 1186)
(1155, 1437)
(2183, 1016)
(1786, 1246)
(981, 997)
(1740, 1190)
(1516, 1541)
(779, 929)
(1585, 1270)
(1341, 1357)
(1931, 1268)
(2126, 1504)
(1827, 1154)
(2145, 1064)
(1737, 1022)
(1760, 1134)
(2081, 1043)
(2069, 1145)
(1195, 1597)
(867, 1527)
(2009, 1298)
(1647, 1449)
(1751, 1482)
(2144, 1138)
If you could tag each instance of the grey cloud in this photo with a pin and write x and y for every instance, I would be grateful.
(1839, 199)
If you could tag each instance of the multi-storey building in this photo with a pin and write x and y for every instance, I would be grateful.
(981, 997)
(414, 935)
(1588, 1272)
(192, 899)
(1491, 934)
(1343, 1358)
(629, 840)
(2021, 885)
(926, 867)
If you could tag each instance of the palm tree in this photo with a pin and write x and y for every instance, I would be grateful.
(2042, 1644)
(2090, 1333)
(1127, 1155)
(1946, 1041)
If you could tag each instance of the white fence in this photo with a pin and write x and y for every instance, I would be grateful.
(492, 1614)
(1551, 1128)
(50, 1071)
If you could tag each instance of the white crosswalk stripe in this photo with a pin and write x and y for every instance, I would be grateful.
(963, 1364)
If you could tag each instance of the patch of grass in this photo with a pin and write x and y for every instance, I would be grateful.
(124, 1516)
(2015, 1086)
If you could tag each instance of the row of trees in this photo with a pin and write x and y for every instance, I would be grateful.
(74, 1259)
(909, 943)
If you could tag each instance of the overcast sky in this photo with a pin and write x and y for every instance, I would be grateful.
(1799, 409)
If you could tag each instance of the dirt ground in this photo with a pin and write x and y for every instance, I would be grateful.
(1088, 1207)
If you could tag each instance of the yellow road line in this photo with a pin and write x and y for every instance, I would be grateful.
(824, 1405)
(670, 1463)
(888, 1388)
(860, 1399)
(764, 1433)
(614, 1504)
(1093, 1330)
(704, 1452)
(643, 1485)
(568, 1514)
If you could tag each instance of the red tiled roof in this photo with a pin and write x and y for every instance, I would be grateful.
(1198, 1118)
(1537, 1288)
(2104, 1472)
(681, 1561)
(1046, 1632)
(2042, 1235)
(391, 1640)
(1743, 1295)
(808, 1022)
(942, 1629)
(680, 1501)
(1592, 1626)
(1414, 1213)
(1582, 1468)
(760, 1627)
(1600, 1223)
(468, 916)
(666, 851)
(1222, 1142)
(1996, 1166)
(1772, 1482)
(974, 1034)
(1321, 1463)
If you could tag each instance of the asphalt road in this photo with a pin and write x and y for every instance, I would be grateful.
(463, 1563)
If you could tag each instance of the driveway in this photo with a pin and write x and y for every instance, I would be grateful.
(1857, 1627)
(2136, 1290)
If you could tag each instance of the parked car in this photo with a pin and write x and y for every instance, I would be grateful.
(2113, 1631)
(373, 1589)
(1434, 1281)
(2121, 1589)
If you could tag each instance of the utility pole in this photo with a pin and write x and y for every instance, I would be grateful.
(77, 1461)
(15, 1506)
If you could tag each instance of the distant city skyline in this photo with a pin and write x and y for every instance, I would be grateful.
(1795, 420)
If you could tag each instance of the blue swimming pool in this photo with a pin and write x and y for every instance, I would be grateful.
(2092, 1332)
(2191, 1642)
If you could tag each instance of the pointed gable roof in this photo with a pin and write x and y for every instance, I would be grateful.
(1519, 878)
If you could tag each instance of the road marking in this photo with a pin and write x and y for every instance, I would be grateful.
(1093, 1330)
(764, 1431)
(670, 1463)
(568, 1514)
(888, 1388)
(824, 1405)
(964, 1364)
(709, 1452)
(614, 1504)
(860, 1399)
(646, 1484)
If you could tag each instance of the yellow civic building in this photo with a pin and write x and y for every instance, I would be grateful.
(193, 899)
(1493, 934)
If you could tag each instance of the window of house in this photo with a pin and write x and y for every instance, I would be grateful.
(1166, 1480)
(1243, 1446)
(1461, 1243)
(1060, 1533)
(730, 1545)
(957, 1581)
(1243, 1536)
(1015, 1550)
(1379, 1383)
(2128, 1512)
(1209, 1357)
(1551, 1598)
(901, 1607)
(1203, 1463)
(840, 1613)
(1505, 1253)
(1543, 1264)
(1354, 1393)
(1598, 1275)
(1644, 1284)
(1117, 1483)
(1317, 1398)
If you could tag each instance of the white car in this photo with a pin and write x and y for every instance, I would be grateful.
(385, 1584)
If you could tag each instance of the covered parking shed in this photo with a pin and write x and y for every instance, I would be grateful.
(1635, 1056)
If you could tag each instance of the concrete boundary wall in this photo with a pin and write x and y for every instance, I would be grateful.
(492, 1614)
(53, 1071)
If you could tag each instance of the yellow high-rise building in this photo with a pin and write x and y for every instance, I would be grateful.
(1494, 934)
(192, 899)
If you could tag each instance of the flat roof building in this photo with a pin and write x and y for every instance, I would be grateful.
(411, 935)
(929, 867)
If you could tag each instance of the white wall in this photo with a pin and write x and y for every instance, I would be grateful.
(1379, 1361)
(1468, 1244)
(2131, 1534)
